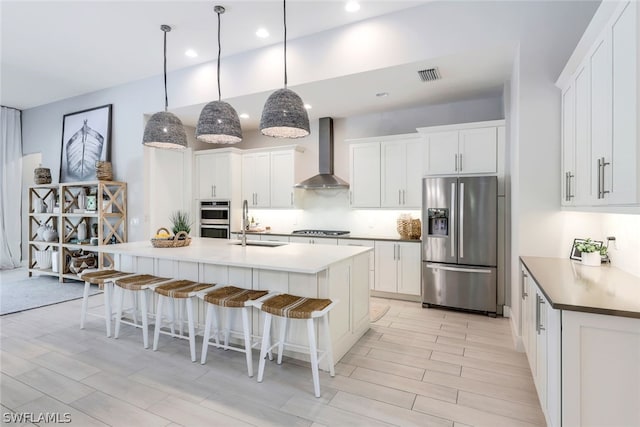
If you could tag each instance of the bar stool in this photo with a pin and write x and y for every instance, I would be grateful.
(136, 285)
(228, 298)
(104, 279)
(183, 290)
(287, 307)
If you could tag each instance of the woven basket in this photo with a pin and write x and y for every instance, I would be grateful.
(172, 241)
(104, 171)
(416, 229)
(42, 176)
(408, 228)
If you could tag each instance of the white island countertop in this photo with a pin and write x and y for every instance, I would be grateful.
(290, 257)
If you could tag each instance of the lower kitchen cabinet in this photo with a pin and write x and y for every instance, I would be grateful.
(398, 267)
(313, 240)
(372, 258)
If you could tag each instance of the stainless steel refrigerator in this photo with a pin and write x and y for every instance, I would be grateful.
(459, 243)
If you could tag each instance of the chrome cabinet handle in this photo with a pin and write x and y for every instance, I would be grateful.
(524, 277)
(570, 189)
(404, 199)
(399, 197)
(398, 245)
(455, 162)
(599, 178)
(540, 325)
(566, 187)
(537, 314)
(461, 227)
(603, 164)
(460, 162)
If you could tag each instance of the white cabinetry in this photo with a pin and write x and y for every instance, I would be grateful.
(217, 173)
(313, 240)
(398, 267)
(470, 148)
(600, 370)
(600, 114)
(364, 175)
(372, 258)
(268, 176)
(541, 331)
(401, 172)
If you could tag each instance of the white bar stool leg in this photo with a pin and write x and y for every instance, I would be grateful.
(314, 356)
(328, 346)
(192, 334)
(118, 296)
(283, 335)
(247, 340)
(181, 316)
(266, 343)
(227, 325)
(156, 331)
(108, 314)
(85, 303)
(216, 323)
(134, 306)
(207, 333)
(145, 318)
(172, 315)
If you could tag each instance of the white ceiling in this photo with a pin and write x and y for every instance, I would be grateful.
(53, 50)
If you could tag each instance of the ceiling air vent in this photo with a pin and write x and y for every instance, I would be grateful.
(429, 75)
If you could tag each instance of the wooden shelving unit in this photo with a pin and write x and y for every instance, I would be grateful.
(107, 223)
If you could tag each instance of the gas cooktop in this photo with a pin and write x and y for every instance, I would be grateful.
(328, 233)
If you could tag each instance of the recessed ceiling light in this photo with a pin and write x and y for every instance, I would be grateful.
(382, 94)
(262, 33)
(352, 6)
(308, 106)
(191, 53)
(244, 116)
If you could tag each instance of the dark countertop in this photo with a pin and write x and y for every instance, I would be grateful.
(569, 285)
(351, 236)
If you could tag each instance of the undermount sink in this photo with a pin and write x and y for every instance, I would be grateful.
(261, 243)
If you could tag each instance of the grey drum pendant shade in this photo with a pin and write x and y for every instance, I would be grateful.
(284, 115)
(164, 129)
(219, 122)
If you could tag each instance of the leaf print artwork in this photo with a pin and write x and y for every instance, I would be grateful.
(83, 151)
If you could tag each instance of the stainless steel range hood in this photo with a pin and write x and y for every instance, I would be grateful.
(325, 179)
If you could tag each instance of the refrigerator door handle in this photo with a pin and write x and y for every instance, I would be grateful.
(461, 227)
(459, 269)
(452, 239)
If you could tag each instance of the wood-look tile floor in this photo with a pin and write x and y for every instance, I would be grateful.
(415, 366)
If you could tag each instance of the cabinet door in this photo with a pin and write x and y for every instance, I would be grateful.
(372, 258)
(568, 147)
(393, 173)
(409, 268)
(478, 151)
(255, 179)
(600, 64)
(442, 155)
(205, 175)
(414, 154)
(584, 170)
(386, 267)
(222, 176)
(623, 186)
(282, 179)
(364, 175)
(540, 324)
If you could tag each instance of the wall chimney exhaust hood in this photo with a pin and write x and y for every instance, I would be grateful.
(325, 179)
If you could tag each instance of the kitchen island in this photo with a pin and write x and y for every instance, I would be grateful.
(341, 273)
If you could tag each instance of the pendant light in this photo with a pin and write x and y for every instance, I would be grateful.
(164, 129)
(219, 122)
(284, 115)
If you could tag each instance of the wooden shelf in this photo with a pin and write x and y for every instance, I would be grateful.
(55, 244)
(45, 272)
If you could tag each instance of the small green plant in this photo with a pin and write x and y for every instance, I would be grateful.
(589, 246)
(181, 221)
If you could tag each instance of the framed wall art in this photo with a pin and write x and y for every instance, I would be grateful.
(86, 138)
(575, 252)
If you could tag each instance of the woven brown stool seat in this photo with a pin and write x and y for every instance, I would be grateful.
(104, 279)
(294, 307)
(287, 307)
(230, 296)
(139, 281)
(181, 288)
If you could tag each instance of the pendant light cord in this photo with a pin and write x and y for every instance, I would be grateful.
(166, 99)
(284, 10)
(219, 51)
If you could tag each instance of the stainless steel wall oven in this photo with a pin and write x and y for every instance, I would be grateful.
(215, 219)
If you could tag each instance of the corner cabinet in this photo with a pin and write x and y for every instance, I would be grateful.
(600, 115)
(84, 214)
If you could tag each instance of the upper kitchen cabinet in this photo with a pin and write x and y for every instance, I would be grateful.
(401, 171)
(364, 175)
(469, 148)
(600, 115)
(268, 176)
(217, 173)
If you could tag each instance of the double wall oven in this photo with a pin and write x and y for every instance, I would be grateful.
(215, 219)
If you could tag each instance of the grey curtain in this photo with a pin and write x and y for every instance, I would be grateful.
(10, 187)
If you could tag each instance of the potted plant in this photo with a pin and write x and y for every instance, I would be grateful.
(591, 252)
(181, 221)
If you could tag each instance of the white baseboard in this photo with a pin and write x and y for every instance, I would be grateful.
(517, 339)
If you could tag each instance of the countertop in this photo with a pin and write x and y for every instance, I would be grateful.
(569, 285)
(350, 236)
(290, 257)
